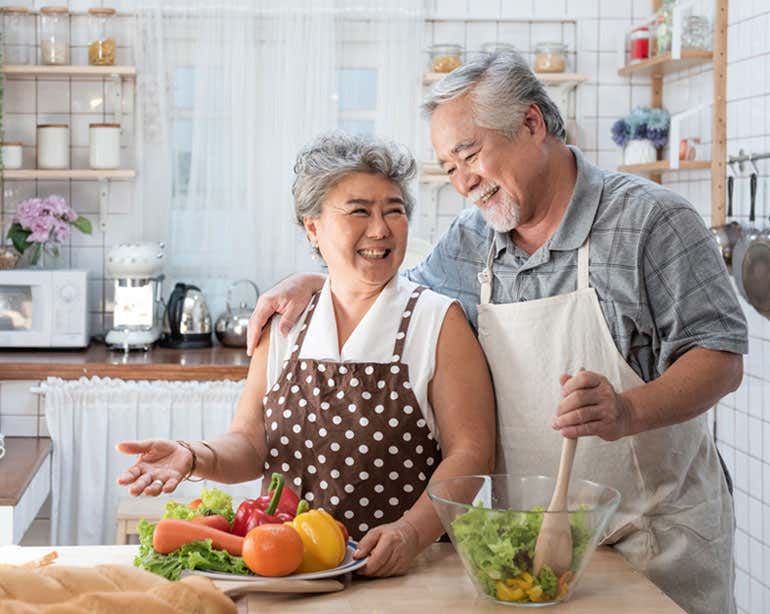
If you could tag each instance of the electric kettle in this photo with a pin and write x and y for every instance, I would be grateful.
(187, 323)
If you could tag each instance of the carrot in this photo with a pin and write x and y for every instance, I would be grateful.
(173, 533)
(216, 521)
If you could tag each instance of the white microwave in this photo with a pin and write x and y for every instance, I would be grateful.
(43, 309)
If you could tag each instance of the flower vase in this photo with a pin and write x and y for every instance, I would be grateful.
(639, 151)
(46, 259)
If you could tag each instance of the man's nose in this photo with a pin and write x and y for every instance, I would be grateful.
(464, 181)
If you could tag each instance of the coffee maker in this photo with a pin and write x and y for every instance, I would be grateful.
(137, 272)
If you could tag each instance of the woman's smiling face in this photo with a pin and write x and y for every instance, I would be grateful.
(362, 230)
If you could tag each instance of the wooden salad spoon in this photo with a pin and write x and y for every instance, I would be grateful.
(554, 542)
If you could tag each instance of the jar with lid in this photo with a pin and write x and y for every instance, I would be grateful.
(663, 27)
(53, 146)
(550, 57)
(104, 146)
(444, 58)
(18, 33)
(640, 44)
(696, 33)
(11, 154)
(101, 37)
(54, 35)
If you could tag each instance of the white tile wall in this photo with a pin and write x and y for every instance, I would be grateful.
(76, 102)
(742, 419)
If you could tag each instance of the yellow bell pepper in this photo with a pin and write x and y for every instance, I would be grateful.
(506, 593)
(535, 594)
(323, 540)
(525, 581)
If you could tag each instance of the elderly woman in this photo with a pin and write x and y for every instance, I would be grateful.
(379, 388)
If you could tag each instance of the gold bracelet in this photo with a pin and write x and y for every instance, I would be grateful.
(213, 454)
(188, 446)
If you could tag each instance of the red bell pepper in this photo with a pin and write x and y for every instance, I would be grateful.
(278, 506)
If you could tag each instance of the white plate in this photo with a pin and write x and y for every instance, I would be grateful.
(347, 565)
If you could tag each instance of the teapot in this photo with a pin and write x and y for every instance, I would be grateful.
(231, 326)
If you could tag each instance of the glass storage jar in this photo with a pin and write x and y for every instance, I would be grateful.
(101, 37)
(18, 34)
(550, 57)
(53, 146)
(663, 26)
(11, 152)
(104, 146)
(696, 33)
(54, 35)
(444, 58)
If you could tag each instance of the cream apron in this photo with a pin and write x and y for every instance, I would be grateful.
(675, 521)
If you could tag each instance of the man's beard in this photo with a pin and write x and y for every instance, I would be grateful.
(503, 215)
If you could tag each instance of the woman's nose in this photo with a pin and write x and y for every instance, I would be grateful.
(378, 227)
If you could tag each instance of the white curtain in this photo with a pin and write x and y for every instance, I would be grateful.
(87, 418)
(265, 76)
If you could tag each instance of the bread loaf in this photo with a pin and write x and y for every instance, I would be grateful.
(106, 589)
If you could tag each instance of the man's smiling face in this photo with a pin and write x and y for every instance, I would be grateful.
(484, 165)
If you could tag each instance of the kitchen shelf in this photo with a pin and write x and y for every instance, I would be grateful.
(74, 174)
(556, 78)
(87, 72)
(665, 64)
(663, 166)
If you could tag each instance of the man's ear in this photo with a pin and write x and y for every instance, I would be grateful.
(534, 121)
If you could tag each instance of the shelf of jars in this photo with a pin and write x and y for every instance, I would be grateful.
(664, 166)
(84, 174)
(548, 79)
(82, 72)
(666, 63)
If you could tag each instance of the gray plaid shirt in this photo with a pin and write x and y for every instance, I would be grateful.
(661, 282)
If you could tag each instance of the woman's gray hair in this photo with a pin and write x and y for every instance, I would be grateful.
(501, 87)
(331, 157)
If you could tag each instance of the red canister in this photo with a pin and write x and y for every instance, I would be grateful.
(640, 44)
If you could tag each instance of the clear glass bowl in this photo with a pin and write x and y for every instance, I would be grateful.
(493, 522)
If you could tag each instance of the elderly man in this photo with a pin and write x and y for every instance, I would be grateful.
(605, 313)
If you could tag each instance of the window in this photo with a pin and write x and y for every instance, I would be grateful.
(181, 113)
(357, 100)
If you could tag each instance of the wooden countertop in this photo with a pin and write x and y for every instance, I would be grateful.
(215, 363)
(436, 583)
(23, 457)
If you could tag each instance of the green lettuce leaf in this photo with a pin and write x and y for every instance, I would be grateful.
(213, 502)
(195, 555)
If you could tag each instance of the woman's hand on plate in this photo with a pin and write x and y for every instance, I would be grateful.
(161, 466)
(391, 548)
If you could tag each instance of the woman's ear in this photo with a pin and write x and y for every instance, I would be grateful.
(311, 230)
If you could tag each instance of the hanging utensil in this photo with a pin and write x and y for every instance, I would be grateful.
(749, 234)
(728, 234)
(756, 271)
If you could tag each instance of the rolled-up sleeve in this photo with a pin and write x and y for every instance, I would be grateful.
(690, 295)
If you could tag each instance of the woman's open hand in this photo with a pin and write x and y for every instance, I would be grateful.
(163, 464)
(391, 549)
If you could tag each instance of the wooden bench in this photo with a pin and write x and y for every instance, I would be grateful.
(133, 509)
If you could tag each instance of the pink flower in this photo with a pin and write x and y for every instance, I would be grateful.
(61, 231)
(41, 229)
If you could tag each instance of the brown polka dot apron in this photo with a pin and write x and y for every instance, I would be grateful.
(350, 436)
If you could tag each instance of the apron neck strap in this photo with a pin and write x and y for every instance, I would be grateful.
(403, 328)
(485, 276)
(582, 264)
(303, 331)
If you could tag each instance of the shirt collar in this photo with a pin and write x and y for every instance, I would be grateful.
(581, 209)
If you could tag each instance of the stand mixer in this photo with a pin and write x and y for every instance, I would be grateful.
(137, 271)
